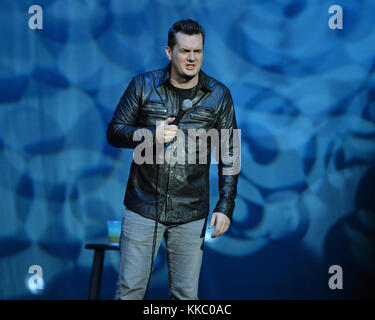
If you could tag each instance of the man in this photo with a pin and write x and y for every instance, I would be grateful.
(173, 197)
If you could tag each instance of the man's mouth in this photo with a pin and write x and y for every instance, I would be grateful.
(190, 66)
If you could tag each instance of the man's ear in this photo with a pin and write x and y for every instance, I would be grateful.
(168, 52)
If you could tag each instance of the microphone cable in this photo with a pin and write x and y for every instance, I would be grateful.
(186, 107)
(157, 197)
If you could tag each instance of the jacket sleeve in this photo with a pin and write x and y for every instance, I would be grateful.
(122, 130)
(229, 157)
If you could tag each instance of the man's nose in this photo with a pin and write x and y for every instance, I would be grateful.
(191, 56)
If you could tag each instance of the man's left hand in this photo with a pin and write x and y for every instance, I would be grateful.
(222, 224)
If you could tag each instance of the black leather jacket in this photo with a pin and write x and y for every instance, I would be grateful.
(181, 191)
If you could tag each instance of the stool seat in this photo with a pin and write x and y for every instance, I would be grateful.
(102, 246)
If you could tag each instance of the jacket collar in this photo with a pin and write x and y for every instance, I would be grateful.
(203, 80)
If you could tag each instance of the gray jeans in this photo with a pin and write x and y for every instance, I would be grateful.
(184, 243)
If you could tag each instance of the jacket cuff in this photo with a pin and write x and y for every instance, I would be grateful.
(226, 207)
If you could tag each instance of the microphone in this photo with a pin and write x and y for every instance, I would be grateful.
(186, 105)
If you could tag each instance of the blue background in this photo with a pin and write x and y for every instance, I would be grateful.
(304, 98)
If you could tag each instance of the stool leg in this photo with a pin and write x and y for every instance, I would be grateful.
(96, 275)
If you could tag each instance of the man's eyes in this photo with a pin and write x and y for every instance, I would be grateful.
(187, 51)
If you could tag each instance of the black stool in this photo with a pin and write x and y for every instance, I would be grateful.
(97, 267)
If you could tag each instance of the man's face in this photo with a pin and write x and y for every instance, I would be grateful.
(186, 55)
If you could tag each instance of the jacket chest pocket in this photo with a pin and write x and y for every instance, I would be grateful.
(153, 108)
(205, 114)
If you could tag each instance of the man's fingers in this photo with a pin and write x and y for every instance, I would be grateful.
(169, 120)
(212, 221)
(222, 225)
(165, 132)
(218, 230)
(169, 131)
(168, 139)
(169, 135)
(171, 128)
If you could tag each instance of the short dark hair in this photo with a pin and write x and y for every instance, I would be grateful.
(187, 26)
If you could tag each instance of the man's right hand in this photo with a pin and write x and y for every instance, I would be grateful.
(166, 132)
